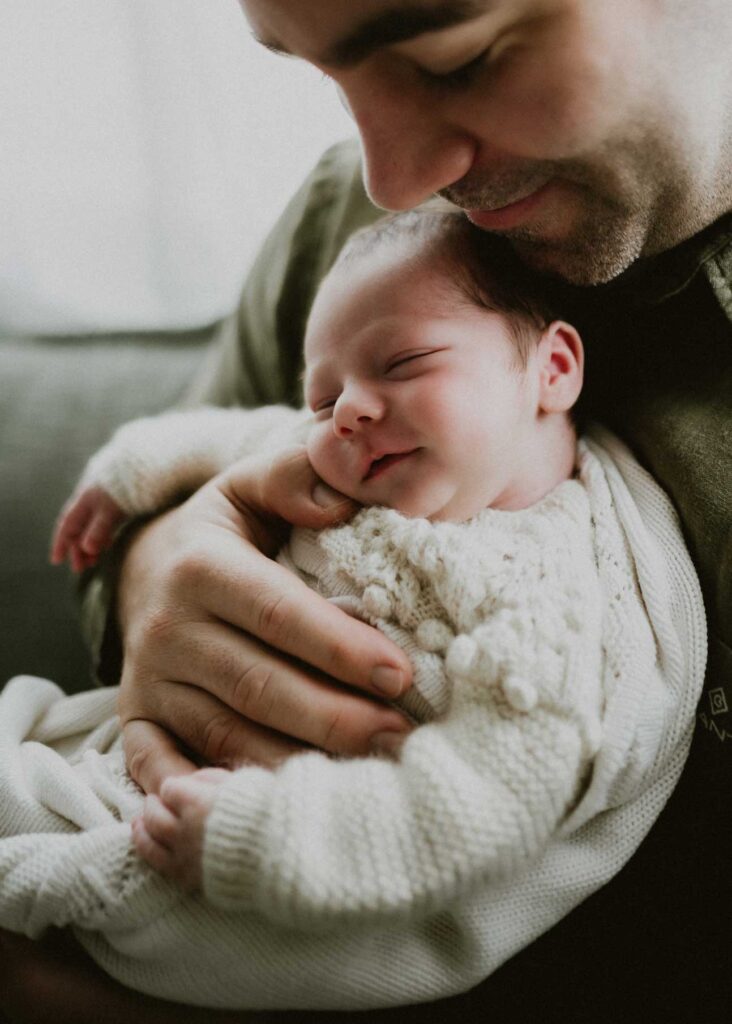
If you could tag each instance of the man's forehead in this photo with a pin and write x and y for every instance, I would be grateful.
(334, 34)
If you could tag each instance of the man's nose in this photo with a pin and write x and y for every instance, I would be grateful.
(410, 150)
(355, 411)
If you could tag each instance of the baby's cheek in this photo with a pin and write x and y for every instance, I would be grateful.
(327, 457)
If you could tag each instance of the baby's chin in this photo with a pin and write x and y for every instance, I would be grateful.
(436, 504)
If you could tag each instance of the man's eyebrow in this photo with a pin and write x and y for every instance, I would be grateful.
(392, 26)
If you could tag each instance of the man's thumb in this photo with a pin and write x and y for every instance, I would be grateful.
(285, 486)
(298, 495)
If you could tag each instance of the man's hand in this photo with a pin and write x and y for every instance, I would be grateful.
(230, 657)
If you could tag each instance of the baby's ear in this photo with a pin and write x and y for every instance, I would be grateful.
(561, 365)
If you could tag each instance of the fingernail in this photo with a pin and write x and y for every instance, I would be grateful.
(387, 680)
(326, 497)
(389, 743)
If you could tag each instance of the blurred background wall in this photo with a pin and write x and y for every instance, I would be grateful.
(145, 148)
(147, 145)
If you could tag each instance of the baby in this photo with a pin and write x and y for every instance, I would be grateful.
(507, 559)
(435, 390)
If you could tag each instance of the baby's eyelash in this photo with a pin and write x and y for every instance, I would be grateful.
(406, 359)
(409, 357)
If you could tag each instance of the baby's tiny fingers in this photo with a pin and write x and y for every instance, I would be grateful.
(59, 547)
(77, 559)
(152, 852)
(161, 824)
(175, 792)
(179, 791)
(100, 532)
(74, 515)
(65, 534)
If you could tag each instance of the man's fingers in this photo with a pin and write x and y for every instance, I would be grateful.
(152, 754)
(203, 724)
(287, 488)
(268, 602)
(262, 687)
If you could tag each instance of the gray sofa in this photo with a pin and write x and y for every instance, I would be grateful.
(60, 398)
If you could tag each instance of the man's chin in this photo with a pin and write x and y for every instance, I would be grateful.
(582, 265)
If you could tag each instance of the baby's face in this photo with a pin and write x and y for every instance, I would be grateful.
(418, 402)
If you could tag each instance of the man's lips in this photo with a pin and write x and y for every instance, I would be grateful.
(511, 215)
(381, 463)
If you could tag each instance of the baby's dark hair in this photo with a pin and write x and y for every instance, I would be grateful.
(483, 266)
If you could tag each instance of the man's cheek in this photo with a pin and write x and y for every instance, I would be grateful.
(555, 99)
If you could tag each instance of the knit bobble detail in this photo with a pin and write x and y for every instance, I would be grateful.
(434, 635)
(462, 656)
(377, 601)
(520, 694)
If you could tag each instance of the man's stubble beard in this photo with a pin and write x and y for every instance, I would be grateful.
(622, 209)
(603, 244)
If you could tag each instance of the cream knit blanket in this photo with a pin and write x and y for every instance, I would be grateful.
(356, 884)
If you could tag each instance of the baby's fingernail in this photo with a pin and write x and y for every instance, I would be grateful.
(389, 743)
(388, 681)
(326, 497)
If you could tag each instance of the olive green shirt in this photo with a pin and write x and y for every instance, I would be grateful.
(658, 346)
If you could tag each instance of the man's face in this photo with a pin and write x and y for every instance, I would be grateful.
(554, 122)
(418, 401)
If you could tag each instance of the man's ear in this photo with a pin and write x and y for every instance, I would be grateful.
(561, 367)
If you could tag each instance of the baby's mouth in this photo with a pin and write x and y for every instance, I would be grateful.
(384, 462)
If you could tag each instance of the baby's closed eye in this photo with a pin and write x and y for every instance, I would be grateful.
(405, 363)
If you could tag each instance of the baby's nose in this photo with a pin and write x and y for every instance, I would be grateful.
(354, 412)
(354, 424)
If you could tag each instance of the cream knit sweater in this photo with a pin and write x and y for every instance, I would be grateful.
(558, 655)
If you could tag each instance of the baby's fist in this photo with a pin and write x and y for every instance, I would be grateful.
(85, 527)
(170, 831)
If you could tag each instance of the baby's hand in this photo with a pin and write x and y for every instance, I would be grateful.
(85, 527)
(169, 832)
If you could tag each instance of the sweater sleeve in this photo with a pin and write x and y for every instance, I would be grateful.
(151, 461)
(474, 798)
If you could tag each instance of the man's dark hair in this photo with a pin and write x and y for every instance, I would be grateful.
(482, 266)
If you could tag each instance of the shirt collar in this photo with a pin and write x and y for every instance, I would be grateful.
(650, 281)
